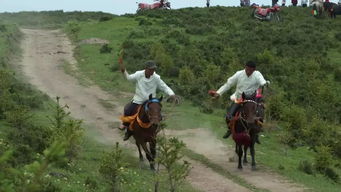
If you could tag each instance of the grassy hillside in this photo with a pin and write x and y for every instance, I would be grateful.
(198, 49)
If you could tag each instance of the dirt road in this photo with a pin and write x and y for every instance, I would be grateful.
(45, 52)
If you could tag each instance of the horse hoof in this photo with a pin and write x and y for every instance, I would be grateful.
(254, 168)
(152, 167)
(240, 167)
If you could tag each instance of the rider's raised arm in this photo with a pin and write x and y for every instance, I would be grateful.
(229, 83)
(133, 77)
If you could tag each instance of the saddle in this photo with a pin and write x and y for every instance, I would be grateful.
(131, 119)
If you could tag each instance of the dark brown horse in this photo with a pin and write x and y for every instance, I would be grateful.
(145, 128)
(245, 128)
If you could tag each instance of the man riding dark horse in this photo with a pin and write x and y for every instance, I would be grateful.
(147, 82)
(247, 81)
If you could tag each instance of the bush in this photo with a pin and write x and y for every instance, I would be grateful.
(105, 49)
(306, 167)
(105, 18)
(112, 167)
(323, 159)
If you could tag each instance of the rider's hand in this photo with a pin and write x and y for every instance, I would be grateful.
(174, 99)
(214, 94)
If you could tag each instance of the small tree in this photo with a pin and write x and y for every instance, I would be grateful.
(169, 152)
(112, 166)
(65, 128)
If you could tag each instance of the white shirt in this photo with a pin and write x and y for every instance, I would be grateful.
(146, 86)
(243, 83)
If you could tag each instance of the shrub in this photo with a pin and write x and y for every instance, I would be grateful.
(105, 49)
(169, 152)
(66, 129)
(331, 174)
(323, 159)
(112, 167)
(105, 18)
(306, 167)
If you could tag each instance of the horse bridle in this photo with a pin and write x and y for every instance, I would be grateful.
(243, 120)
(146, 105)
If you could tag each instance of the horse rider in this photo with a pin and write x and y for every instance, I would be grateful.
(146, 83)
(248, 80)
(283, 3)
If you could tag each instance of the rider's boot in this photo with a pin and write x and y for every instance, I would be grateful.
(227, 134)
(257, 139)
(127, 134)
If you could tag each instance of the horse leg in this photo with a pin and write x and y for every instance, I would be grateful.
(245, 154)
(240, 154)
(152, 146)
(252, 150)
(148, 155)
(140, 153)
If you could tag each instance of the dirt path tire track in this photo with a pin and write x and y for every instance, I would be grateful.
(44, 52)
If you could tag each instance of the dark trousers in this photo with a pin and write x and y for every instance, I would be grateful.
(232, 111)
(130, 109)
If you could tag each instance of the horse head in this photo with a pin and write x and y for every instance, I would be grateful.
(153, 110)
(248, 109)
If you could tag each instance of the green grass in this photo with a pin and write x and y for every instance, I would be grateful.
(98, 66)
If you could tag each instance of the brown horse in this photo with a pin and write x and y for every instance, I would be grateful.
(145, 128)
(245, 128)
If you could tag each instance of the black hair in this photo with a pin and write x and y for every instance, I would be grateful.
(251, 64)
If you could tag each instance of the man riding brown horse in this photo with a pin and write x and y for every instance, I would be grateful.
(146, 83)
(247, 81)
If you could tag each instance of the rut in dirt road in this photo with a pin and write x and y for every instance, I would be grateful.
(45, 52)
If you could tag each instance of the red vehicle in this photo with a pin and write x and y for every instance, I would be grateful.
(162, 4)
(266, 14)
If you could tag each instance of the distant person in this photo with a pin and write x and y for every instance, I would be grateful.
(247, 2)
(247, 81)
(242, 3)
(208, 3)
(146, 83)
(294, 3)
(304, 3)
(274, 2)
(283, 3)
